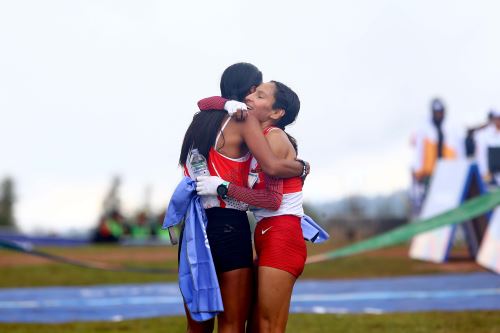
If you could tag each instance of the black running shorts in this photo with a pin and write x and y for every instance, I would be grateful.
(230, 239)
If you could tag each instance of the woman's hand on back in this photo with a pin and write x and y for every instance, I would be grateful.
(236, 109)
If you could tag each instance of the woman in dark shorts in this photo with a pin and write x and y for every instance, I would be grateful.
(228, 146)
(278, 239)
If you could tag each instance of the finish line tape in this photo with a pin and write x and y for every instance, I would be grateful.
(470, 209)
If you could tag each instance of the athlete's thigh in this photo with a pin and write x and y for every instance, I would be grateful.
(274, 292)
(236, 291)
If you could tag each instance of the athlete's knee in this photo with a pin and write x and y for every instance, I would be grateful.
(270, 323)
(231, 327)
(202, 329)
(264, 325)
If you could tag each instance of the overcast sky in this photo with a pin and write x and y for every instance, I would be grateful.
(90, 89)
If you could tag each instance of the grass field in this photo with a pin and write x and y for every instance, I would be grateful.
(436, 322)
(19, 270)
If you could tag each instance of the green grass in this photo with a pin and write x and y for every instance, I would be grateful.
(388, 262)
(58, 274)
(363, 266)
(65, 275)
(391, 262)
(436, 322)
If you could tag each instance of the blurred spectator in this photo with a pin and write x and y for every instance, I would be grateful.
(111, 202)
(434, 141)
(110, 228)
(141, 230)
(470, 139)
(487, 152)
(156, 228)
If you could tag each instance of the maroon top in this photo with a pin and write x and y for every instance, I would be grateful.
(269, 198)
(212, 103)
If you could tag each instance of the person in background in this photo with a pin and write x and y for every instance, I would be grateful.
(432, 142)
(140, 229)
(487, 150)
(110, 228)
(470, 141)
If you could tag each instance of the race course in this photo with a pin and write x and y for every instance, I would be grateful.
(443, 292)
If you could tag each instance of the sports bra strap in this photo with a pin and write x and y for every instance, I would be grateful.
(220, 132)
(269, 129)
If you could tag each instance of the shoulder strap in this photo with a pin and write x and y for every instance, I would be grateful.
(269, 129)
(220, 132)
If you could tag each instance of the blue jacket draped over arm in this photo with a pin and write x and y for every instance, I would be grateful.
(197, 277)
(312, 231)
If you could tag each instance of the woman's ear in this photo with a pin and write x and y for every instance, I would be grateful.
(277, 114)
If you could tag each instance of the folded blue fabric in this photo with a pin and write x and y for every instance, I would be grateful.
(197, 277)
(312, 231)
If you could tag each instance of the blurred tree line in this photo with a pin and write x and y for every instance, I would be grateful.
(358, 217)
(348, 220)
(7, 200)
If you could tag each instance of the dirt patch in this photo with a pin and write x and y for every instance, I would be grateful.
(111, 255)
(460, 260)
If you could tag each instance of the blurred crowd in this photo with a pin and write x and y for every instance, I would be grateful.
(436, 140)
(141, 228)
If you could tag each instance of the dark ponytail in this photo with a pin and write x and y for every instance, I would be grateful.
(286, 99)
(202, 133)
(238, 79)
(236, 82)
(293, 141)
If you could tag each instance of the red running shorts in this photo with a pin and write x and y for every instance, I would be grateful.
(279, 244)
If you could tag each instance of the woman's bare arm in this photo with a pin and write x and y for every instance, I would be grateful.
(272, 195)
(260, 149)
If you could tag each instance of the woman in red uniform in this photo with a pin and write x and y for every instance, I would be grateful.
(280, 247)
(227, 143)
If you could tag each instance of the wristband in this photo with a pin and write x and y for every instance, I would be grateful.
(222, 189)
(305, 170)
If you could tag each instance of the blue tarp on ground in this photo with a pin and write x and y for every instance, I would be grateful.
(457, 292)
(45, 240)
